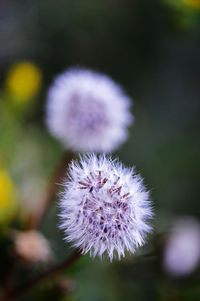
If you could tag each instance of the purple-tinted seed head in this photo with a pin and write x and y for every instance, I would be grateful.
(105, 207)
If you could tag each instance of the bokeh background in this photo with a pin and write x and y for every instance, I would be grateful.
(151, 48)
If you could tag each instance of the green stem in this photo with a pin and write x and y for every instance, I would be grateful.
(35, 220)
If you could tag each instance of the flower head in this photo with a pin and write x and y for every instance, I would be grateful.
(23, 81)
(104, 207)
(88, 111)
(32, 246)
(8, 197)
(182, 252)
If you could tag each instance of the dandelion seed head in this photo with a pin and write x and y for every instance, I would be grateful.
(88, 111)
(104, 207)
(182, 252)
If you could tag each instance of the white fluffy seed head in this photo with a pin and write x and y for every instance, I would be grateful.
(87, 111)
(104, 207)
(182, 252)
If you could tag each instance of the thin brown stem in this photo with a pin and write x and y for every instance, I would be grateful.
(35, 220)
(51, 273)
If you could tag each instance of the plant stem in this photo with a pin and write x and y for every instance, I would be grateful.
(35, 220)
(24, 288)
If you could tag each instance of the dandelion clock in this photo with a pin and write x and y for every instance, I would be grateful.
(87, 111)
(104, 207)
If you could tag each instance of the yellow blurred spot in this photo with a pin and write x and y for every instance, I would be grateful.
(23, 81)
(195, 4)
(8, 196)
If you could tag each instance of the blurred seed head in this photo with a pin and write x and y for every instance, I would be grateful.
(182, 252)
(23, 81)
(88, 111)
(104, 207)
(31, 246)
